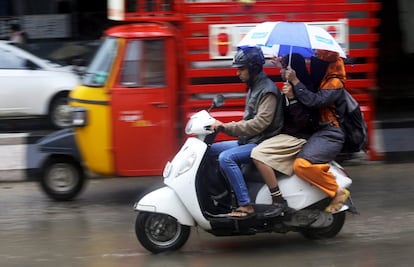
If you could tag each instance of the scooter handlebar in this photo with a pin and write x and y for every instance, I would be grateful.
(200, 123)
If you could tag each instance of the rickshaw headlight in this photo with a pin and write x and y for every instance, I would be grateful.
(79, 116)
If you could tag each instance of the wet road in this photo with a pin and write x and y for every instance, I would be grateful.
(97, 229)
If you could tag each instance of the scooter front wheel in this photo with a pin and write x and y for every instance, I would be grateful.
(160, 232)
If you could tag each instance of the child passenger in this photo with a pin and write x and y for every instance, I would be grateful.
(279, 152)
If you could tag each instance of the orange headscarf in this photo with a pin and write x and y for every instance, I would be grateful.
(336, 69)
(334, 78)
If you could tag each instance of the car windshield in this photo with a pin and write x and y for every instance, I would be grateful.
(97, 72)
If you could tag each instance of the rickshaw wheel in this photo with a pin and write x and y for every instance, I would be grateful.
(63, 178)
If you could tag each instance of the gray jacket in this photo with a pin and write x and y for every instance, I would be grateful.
(260, 121)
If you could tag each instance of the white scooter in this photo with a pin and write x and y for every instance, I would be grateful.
(166, 214)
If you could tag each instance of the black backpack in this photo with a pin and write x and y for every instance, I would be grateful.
(354, 126)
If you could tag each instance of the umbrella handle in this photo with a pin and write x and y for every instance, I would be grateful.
(290, 55)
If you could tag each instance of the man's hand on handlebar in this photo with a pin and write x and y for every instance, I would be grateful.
(216, 126)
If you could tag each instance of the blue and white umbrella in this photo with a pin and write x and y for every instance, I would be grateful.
(291, 37)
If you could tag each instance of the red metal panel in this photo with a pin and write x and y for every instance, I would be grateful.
(216, 88)
(357, 68)
(364, 38)
(200, 28)
(367, 22)
(309, 7)
(364, 84)
(368, 52)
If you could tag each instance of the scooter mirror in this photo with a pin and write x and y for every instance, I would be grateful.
(218, 101)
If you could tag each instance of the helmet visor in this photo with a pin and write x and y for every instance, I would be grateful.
(237, 65)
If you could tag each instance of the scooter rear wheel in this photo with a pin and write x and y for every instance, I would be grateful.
(160, 232)
(326, 232)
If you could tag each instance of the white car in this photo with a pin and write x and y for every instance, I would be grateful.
(31, 86)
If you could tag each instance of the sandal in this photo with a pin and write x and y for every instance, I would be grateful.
(336, 203)
(240, 214)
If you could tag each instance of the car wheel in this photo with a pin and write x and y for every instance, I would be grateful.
(59, 112)
(62, 179)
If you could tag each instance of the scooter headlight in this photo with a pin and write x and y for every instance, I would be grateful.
(187, 163)
(79, 117)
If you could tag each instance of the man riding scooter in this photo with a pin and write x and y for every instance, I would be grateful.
(165, 215)
(263, 118)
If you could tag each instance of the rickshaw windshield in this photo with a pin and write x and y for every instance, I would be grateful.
(98, 70)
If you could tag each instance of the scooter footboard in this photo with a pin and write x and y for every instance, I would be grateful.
(165, 200)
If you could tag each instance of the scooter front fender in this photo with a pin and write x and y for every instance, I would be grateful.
(165, 200)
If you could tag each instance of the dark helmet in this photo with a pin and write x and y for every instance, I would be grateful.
(250, 56)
